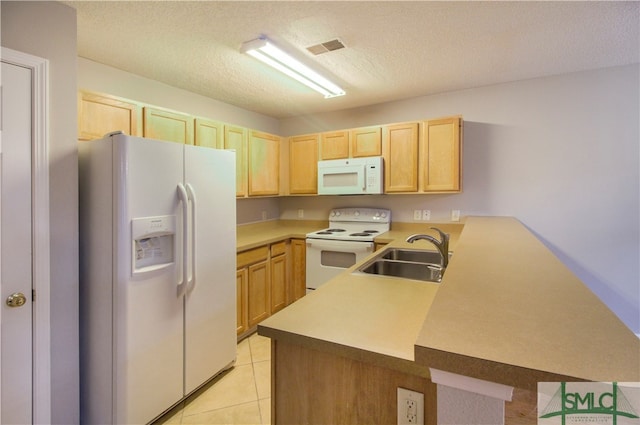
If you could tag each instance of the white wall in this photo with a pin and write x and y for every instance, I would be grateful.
(560, 153)
(48, 30)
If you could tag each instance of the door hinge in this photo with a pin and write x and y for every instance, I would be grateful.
(33, 295)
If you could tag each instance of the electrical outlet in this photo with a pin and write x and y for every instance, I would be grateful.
(410, 407)
(426, 215)
(300, 213)
(455, 215)
(417, 215)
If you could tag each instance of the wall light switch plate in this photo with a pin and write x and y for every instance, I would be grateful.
(410, 407)
(300, 213)
(417, 215)
(455, 215)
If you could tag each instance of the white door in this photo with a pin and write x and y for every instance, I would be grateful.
(16, 246)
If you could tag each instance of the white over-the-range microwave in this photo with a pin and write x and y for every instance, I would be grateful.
(351, 176)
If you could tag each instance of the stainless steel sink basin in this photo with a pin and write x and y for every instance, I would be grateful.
(413, 255)
(405, 269)
(405, 263)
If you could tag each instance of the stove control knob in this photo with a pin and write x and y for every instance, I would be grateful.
(337, 212)
(357, 213)
(377, 214)
(333, 213)
(384, 215)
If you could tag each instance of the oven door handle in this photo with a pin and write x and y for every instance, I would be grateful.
(340, 246)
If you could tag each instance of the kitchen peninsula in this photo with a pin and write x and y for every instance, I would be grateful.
(507, 312)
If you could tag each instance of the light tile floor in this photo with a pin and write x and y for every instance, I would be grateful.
(241, 395)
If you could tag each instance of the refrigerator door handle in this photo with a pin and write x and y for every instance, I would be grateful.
(182, 194)
(192, 197)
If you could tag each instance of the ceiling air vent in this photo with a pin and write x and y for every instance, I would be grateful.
(327, 46)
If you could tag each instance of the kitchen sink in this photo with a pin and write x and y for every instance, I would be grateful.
(405, 269)
(413, 255)
(403, 263)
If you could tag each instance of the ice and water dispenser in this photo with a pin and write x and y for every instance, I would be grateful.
(153, 242)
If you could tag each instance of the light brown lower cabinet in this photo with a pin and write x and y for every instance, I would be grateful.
(241, 300)
(279, 274)
(268, 279)
(298, 277)
(259, 294)
(252, 281)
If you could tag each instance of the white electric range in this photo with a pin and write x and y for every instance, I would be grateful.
(348, 240)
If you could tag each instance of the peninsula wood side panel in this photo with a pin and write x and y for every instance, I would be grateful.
(328, 389)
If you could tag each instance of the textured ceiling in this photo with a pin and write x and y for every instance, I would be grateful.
(394, 50)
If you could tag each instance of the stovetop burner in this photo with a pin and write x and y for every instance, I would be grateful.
(354, 224)
(330, 231)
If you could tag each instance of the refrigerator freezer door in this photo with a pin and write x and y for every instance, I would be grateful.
(148, 308)
(210, 304)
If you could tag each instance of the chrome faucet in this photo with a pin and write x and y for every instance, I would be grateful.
(442, 244)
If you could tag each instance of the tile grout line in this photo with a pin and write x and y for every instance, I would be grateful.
(255, 379)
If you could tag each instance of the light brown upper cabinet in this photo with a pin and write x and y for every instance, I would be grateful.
(303, 164)
(440, 155)
(162, 124)
(366, 141)
(99, 114)
(209, 133)
(264, 164)
(400, 151)
(334, 145)
(235, 138)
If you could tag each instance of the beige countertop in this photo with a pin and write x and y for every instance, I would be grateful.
(265, 232)
(507, 311)
(362, 316)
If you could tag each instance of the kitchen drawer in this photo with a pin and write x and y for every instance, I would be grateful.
(278, 248)
(251, 256)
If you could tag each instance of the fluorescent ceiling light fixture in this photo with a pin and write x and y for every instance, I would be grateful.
(263, 50)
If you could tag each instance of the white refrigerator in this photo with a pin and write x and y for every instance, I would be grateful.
(157, 274)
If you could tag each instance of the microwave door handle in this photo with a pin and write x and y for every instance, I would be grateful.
(363, 175)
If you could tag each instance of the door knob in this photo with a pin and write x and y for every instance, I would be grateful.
(16, 300)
